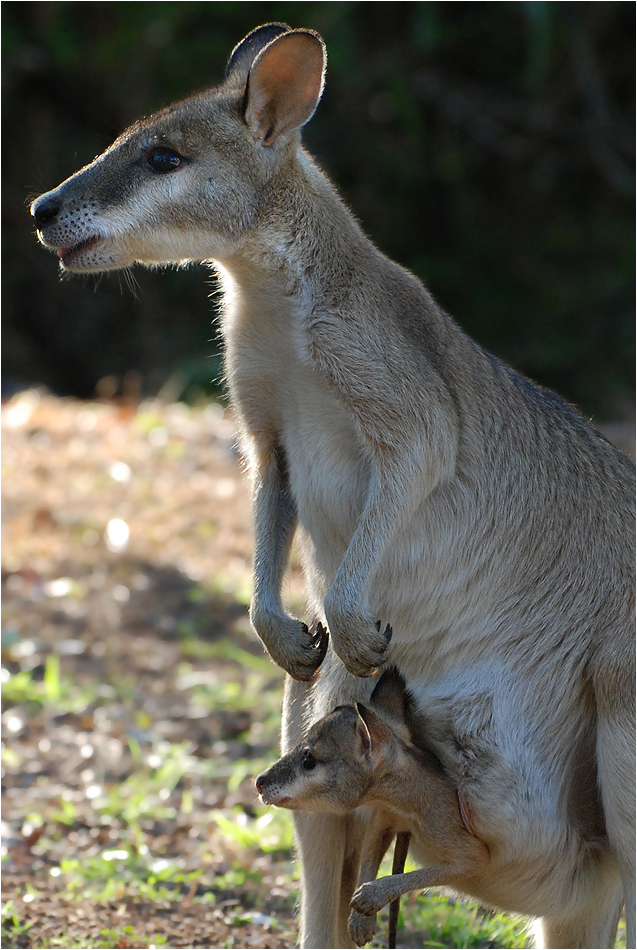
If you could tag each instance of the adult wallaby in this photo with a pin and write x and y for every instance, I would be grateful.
(437, 490)
(351, 758)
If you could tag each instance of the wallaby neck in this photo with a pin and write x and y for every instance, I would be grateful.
(306, 246)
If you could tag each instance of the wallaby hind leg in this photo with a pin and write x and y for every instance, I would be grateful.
(616, 771)
(378, 837)
(619, 814)
(594, 928)
(372, 897)
(356, 833)
(328, 848)
(322, 846)
(321, 843)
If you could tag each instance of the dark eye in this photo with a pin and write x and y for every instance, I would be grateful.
(163, 160)
(308, 761)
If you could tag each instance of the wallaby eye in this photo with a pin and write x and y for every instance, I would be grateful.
(163, 160)
(308, 761)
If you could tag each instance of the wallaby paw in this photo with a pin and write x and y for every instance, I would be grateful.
(368, 899)
(291, 644)
(307, 653)
(358, 642)
(361, 929)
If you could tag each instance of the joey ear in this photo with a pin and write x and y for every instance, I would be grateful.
(363, 738)
(285, 84)
(245, 52)
(378, 731)
(390, 695)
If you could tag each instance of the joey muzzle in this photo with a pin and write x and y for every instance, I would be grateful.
(266, 785)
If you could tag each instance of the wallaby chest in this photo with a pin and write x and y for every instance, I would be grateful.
(283, 400)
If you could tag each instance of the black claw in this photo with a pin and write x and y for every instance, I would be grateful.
(304, 627)
(378, 625)
(388, 633)
(320, 635)
(320, 642)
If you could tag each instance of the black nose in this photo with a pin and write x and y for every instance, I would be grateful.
(260, 781)
(45, 210)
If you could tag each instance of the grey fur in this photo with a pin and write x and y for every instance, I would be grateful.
(435, 489)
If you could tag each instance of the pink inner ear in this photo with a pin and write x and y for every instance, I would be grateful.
(285, 85)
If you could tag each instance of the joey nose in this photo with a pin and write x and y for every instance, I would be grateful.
(45, 210)
(260, 781)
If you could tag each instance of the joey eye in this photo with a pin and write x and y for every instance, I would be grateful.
(163, 159)
(308, 761)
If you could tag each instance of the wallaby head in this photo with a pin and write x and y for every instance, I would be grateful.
(334, 767)
(191, 181)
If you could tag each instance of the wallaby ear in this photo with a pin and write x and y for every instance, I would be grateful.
(389, 696)
(245, 52)
(285, 84)
(377, 730)
(363, 738)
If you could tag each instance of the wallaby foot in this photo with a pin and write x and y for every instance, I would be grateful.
(290, 643)
(362, 928)
(357, 640)
(372, 897)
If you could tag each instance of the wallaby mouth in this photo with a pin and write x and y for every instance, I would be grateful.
(68, 254)
(269, 795)
(270, 799)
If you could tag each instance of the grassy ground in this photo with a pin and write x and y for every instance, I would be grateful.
(137, 704)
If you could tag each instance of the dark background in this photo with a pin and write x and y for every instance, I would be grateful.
(487, 146)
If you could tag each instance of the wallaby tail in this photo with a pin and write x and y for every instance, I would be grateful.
(400, 856)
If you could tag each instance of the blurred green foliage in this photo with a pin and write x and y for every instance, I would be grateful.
(489, 147)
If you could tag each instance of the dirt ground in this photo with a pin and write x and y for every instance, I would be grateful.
(139, 705)
(126, 559)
